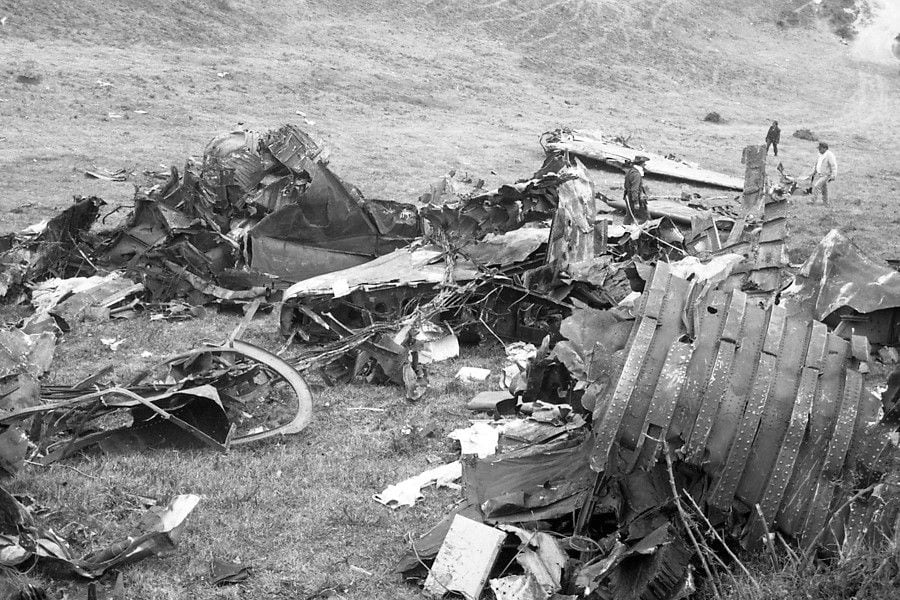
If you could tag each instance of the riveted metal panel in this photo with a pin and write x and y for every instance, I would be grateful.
(776, 415)
(770, 254)
(734, 320)
(773, 230)
(868, 438)
(662, 407)
(802, 486)
(765, 280)
(775, 331)
(654, 294)
(836, 455)
(856, 526)
(790, 446)
(723, 491)
(695, 449)
(818, 346)
(859, 347)
(711, 320)
(717, 378)
(726, 485)
(843, 429)
(606, 430)
(737, 393)
(668, 330)
(769, 407)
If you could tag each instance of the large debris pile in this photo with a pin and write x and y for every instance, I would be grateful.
(703, 401)
(755, 421)
(669, 393)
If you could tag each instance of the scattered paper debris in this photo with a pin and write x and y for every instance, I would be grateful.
(409, 491)
(473, 374)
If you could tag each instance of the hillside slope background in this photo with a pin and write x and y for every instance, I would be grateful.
(402, 91)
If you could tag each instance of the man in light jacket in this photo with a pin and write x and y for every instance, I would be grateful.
(824, 173)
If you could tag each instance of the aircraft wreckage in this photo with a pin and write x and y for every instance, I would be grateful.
(684, 384)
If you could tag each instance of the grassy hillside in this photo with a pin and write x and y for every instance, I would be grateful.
(403, 91)
(406, 90)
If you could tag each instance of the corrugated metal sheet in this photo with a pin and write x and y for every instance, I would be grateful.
(770, 407)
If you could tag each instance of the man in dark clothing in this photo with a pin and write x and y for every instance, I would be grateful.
(773, 137)
(635, 195)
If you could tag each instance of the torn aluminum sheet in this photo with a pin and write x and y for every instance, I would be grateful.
(408, 286)
(328, 227)
(176, 255)
(401, 268)
(56, 247)
(439, 350)
(13, 448)
(409, 491)
(317, 223)
(541, 556)
(712, 272)
(24, 353)
(224, 572)
(149, 225)
(434, 343)
(456, 214)
(657, 567)
(591, 352)
(596, 147)
(540, 481)
(517, 587)
(839, 282)
(795, 435)
(426, 547)
(514, 374)
(24, 359)
(420, 266)
(22, 542)
(78, 298)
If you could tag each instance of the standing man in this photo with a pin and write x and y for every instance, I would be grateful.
(635, 195)
(824, 173)
(773, 136)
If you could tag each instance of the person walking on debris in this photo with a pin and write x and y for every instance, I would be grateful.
(824, 173)
(773, 136)
(635, 194)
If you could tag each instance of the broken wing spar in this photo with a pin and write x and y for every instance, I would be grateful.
(596, 147)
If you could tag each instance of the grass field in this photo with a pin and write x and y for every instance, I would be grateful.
(402, 91)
